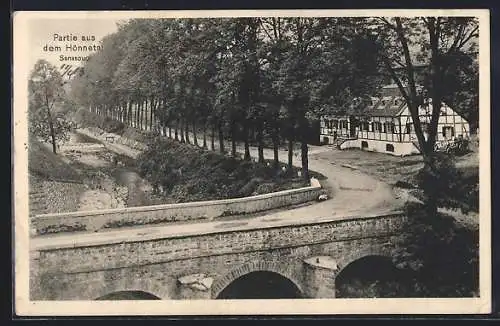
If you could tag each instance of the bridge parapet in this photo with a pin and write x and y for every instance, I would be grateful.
(170, 213)
(120, 251)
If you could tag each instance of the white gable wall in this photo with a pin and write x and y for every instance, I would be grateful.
(454, 125)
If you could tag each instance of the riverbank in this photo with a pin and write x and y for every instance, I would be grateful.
(98, 181)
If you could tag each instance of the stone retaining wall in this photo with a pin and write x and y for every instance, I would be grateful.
(113, 218)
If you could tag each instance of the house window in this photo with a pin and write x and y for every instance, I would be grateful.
(389, 126)
(377, 126)
(448, 132)
(389, 148)
(364, 144)
(329, 125)
(365, 126)
(335, 123)
(409, 128)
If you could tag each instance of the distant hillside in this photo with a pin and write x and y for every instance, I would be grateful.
(45, 164)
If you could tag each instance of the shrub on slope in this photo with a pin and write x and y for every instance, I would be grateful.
(188, 173)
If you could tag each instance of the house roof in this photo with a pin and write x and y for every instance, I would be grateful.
(388, 106)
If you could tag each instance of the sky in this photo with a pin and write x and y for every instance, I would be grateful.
(42, 33)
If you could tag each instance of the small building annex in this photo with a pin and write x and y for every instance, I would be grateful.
(385, 125)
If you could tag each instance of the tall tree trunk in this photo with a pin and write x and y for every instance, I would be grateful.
(260, 142)
(153, 106)
(276, 144)
(305, 160)
(205, 135)
(233, 138)
(139, 120)
(186, 128)
(176, 133)
(147, 108)
(144, 120)
(182, 131)
(212, 141)
(290, 152)
(51, 125)
(247, 156)
(137, 114)
(141, 116)
(131, 114)
(221, 138)
(290, 145)
(195, 137)
(304, 150)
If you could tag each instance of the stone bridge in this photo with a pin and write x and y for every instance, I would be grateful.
(206, 260)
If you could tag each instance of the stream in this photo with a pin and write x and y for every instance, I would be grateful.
(109, 185)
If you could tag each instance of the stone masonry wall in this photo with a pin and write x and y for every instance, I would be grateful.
(112, 218)
(154, 266)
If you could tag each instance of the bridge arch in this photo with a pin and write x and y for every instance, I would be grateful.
(129, 295)
(252, 267)
(142, 287)
(370, 276)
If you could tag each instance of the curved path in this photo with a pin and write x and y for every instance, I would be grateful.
(353, 194)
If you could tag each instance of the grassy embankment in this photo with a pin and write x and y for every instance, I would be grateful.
(54, 186)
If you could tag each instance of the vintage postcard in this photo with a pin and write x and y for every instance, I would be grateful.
(252, 162)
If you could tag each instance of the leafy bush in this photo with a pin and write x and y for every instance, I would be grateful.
(442, 256)
(460, 146)
(188, 173)
(448, 186)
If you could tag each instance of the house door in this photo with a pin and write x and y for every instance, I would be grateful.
(448, 132)
(354, 123)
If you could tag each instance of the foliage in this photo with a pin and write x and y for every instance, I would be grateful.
(459, 147)
(241, 78)
(46, 96)
(441, 256)
(188, 173)
(448, 186)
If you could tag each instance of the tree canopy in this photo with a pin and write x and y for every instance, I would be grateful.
(46, 96)
(260, 79)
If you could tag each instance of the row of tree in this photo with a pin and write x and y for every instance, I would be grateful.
(233, 77)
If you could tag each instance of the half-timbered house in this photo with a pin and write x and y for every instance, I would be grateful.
(385, 125)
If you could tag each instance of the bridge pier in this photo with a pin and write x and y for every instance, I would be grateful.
(194, 286)
(319, 277)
